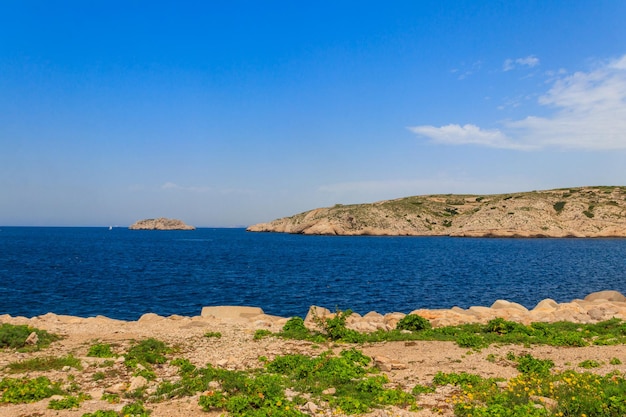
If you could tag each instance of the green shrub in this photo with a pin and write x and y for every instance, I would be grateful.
(558, 206)
(135, 410)
(261, 334)
(501, 326)
(101, 350)
(102, 413)
(295, 326)
(470, 340)
(422, 389)
(413, 323)
(527, 364)
(68, 402)
(590, 363)
(215, 335)
(14, 337)
(27, 390)
(460, 379)
(147, 352)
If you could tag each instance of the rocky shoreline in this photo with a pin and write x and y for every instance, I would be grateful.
(595, 307)
(404, 363)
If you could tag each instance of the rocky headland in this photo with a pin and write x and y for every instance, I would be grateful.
(569, 212)
(404, 363)
(161, 223)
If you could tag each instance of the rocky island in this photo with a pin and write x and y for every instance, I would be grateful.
(161, 224)
(598, 211)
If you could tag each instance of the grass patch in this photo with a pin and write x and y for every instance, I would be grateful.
(68, 402)
(25, 390)
(15, 336)
(136, 409)
(345, 382)
(44, 364)
(474, 336)
(101, 350)
(147, 352)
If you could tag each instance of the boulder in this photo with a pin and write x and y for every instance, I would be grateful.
(32, 339)
(546, 305)
(606, 295)
(500, 304)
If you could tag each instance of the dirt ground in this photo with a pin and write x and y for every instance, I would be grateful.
(412, 362)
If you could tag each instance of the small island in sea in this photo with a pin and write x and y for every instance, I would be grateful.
(161, 223)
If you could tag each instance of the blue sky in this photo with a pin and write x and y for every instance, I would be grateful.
(228, 113)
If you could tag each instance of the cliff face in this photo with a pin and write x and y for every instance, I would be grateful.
(570, 212)
(160, 224)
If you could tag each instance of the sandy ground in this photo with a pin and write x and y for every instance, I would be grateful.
(236, 349)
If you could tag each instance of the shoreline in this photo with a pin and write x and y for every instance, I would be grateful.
(595, 307)
(195, 339)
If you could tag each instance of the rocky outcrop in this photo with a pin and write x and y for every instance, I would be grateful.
(595, 307)
(571, 212)
(160, 224)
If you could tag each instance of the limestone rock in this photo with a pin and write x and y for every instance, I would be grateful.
(161, 223)
(503, 304)
(606, 295)
(547, 305)
(137, 382)
(231, 312)
(32, 339)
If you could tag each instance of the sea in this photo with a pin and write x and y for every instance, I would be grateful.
(123, 274)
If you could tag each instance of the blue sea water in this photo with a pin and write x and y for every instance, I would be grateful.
(123, 274)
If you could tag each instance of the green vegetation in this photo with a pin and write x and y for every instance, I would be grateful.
(147, 352)
(342, 380)
(130, 410)
(345, 381)
(102, 413)
(261, 333)
(44, 364)
(25, 390)
(589, 364)
(542, 394)
(68, 402)
(473, 336)
(15, 336)
(101, 350)
(413, 323)
(215, 335)
(558, 206)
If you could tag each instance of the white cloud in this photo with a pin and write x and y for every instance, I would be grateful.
(588, 112)
(530, 61)
(173, 186)
(454, 134)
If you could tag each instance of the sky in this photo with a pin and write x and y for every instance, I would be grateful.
(230, 113)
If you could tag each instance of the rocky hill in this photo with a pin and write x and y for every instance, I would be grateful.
(160, 224)
(569, 212)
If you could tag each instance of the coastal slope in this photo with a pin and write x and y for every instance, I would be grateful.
(598, 211)
(161, 224)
